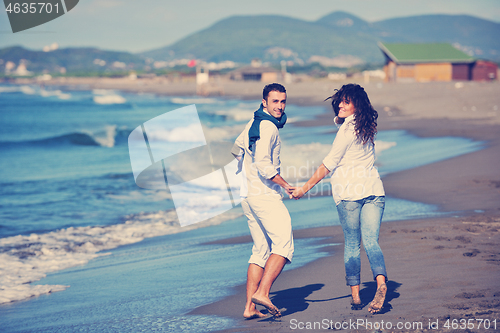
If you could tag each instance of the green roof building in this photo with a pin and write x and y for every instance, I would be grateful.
(432, 62)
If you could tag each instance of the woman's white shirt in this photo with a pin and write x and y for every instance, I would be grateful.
(354, 174)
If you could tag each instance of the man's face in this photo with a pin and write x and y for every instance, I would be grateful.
(275, 103)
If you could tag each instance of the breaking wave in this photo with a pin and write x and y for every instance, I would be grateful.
(105, 137)
(28, 258)
(32, 90)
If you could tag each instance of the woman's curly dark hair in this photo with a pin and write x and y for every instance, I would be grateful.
(365, 116)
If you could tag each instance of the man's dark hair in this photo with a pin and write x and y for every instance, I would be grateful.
(272, 87)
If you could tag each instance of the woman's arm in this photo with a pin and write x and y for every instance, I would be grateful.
(319, 174)
(343, 140)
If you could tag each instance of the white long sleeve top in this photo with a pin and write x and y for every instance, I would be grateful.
(261, 164)
(354, 174)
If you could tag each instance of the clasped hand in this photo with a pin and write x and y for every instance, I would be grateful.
(295, 192)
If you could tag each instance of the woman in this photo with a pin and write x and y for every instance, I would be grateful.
(356, 187)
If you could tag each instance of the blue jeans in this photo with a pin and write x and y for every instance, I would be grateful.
(361, 220)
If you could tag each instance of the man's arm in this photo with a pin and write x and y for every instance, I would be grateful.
(281, 182)
(238, 148)
(263, 152)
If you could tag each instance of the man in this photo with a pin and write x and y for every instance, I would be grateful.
(268, 219)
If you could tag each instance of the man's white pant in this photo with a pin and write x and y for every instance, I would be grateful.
(270, 226)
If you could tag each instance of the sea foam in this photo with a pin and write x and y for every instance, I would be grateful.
(299, 161)
(105, 137)
(237, 113)
(109, 99)
(187, 101)
(57, 93)
(26, 259)
(29, 90)
(103, 96)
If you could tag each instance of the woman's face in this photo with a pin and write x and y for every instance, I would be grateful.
(346, 109)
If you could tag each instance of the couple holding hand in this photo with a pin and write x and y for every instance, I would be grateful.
(356, 187)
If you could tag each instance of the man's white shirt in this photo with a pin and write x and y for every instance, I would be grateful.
(262, 162)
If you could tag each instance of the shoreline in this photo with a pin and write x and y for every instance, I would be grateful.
(469, 100)
(433, 263)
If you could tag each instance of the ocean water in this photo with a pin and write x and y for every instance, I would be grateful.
(82, 247)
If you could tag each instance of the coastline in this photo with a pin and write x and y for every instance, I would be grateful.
(433, 263)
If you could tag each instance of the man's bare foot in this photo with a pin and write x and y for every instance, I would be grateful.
(268, 305)
(378, 300)
(253, 314)
(356, 303)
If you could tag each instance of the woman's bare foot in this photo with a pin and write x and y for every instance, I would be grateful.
(266, 302)
(378, 300)
(251, 314)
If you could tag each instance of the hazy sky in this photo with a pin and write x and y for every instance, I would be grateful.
(132, 25)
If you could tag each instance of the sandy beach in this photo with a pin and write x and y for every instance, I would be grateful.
(441, 270)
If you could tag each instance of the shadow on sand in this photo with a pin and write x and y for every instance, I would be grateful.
(295, 300)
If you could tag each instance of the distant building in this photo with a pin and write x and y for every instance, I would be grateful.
(255, 72)
(433, 62)
(484, 71)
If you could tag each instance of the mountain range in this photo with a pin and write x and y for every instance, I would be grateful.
(339, 35)
(338, 39)
(77, 61)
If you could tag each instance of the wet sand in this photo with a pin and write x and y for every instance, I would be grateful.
(440, 268)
